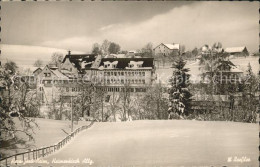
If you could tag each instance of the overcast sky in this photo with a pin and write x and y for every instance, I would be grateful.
(77, 25)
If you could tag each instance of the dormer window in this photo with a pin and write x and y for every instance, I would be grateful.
(135, 64)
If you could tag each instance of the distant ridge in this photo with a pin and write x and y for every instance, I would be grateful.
(26, 55)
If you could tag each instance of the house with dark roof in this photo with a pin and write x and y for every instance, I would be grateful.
(226, 73)
(37, 71)
(77, 63)
(237, 51)
(115, 73)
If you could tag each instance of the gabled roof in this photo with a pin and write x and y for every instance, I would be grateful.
(76, 60)
(123, 62)
(97, 62)
(36, 69)
(170, 46)
(59, 74)
(235, 49)
(56, 72)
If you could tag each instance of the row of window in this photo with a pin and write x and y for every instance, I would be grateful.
(74, 89)
(47, 74)
(117, 73)
(115, 89)
(62, 81)
(117, 81)
(108, 65)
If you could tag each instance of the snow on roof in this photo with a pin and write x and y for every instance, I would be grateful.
(97, 62)
(59, 74)
(235, 49)
(235, 69)
(173, 46)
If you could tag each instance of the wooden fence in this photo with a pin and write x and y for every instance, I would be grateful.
(44, 151)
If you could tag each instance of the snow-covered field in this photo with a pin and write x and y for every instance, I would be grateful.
(49, 132)
(163, 143)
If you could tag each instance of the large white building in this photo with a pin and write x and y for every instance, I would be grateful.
(117, 73)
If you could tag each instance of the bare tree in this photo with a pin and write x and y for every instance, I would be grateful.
(147, 50)
(114, 106)
(16, 101)
(96, 49)
(125, 97)
(38, 63)
(105, 46)
(114, 48)
(56, 59)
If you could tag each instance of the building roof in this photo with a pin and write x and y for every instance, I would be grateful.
(77, 59)
(123, 62)
(173, 46)
(36, 69)
(59, 74)
(235, 49)
(170, 46)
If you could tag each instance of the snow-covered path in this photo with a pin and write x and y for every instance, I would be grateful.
(163, 143)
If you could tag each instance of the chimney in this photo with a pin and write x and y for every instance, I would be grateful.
(69, 52)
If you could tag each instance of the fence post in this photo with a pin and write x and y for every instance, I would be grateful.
(33, 154)
(36, 152)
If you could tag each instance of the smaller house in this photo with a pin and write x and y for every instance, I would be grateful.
(227, 72)
(37, 71)
(166, 49)
(237, 51)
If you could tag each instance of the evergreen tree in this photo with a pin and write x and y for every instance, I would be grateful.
(179, 94)
(249, 102)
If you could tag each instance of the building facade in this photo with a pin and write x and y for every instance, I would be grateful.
(166, 49)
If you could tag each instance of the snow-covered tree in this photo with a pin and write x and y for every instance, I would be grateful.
(179, 94)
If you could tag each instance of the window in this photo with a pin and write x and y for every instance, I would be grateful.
(105, 65)
(107, 98)
(108, 73)
(122, 81)
(133, 73)
(70, 69)
(143, 81)
(122, 73)
(67, 89)
(143, 73)
(73, 90)
(45, 74)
